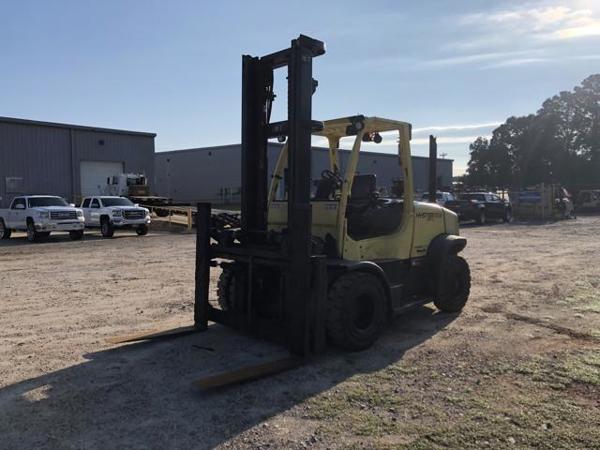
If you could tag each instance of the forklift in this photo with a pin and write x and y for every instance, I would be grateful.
(326, 260)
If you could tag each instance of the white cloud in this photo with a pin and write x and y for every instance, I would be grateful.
(472, 126)
(532, 33)
(447, 140)
(547, 22)
(516, 62)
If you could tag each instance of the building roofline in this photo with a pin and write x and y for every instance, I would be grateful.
(18, 121)
(277, 144)
(199, 149)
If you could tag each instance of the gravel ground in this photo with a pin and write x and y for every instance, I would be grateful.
(519, 368)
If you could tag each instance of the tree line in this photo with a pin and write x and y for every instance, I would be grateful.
(558, 144)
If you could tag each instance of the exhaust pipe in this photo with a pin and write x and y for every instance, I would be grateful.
(432, 168)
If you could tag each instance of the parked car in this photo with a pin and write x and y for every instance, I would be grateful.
(440, 197)
(481, 207)
(110, 213)
(40, 215)
(588, 200)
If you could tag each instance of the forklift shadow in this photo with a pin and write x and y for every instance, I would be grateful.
(141, 395)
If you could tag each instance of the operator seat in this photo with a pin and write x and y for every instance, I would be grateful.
(367, 214)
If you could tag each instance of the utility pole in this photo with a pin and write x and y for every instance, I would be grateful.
(432, 168)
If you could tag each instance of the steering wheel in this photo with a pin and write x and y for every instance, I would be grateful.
(335, 178)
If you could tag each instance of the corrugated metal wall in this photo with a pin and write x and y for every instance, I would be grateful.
(46, 158)
(41, 156)
(136, 152)
(214, 173)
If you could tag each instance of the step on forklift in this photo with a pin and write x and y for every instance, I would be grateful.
(317, 261)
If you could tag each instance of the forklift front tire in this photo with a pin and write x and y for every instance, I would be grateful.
(228, 287)
(454, 284)
(356, 310)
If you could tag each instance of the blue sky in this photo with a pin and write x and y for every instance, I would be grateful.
(452, 68)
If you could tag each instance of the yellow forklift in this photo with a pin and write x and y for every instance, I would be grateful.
(326, 259)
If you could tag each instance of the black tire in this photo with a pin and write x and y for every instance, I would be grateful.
(454, 285)
(106, 228)
(76, 235)
(32, 234)
(44, 234)
(356, 312)
(4, 232)
(507, 215)
(481, 217)
(142, 230)
(227, 287)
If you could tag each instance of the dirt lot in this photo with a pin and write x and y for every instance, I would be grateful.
(519, 368)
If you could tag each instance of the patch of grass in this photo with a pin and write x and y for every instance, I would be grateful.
(584, 368)
(513, 405)
(528, 421)
(581, 367)
(584, 297)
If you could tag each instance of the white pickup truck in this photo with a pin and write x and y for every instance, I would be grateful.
(109, 213)
(40, 215)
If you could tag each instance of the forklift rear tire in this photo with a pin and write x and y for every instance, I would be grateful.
(142, 230)
(356, 310)
(106, 228)
(454, 285)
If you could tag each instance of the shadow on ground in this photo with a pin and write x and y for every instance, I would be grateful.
(141, 395)
(19, 239)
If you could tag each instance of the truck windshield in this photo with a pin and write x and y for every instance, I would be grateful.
(116, 202)
(36, 202)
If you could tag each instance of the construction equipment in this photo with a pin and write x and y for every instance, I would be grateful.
(541, 202)
(588, 200)
(135, 187)
(336, 264)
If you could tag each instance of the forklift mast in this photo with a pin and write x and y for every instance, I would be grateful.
(304, 276)
(257, 101)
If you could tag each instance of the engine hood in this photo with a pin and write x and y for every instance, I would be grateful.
(126, 208)
(55, 208)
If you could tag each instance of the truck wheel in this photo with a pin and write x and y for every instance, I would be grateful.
(507, 215)
(106, 228)
(454, 284)
(481, 217)
(142, 230)
(356, 310)
(76, 235)
(4, 232)
(32, 234)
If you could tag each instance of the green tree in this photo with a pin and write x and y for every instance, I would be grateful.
(560, 143)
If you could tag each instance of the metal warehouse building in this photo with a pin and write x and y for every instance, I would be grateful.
(67, 160)
(214, 173)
